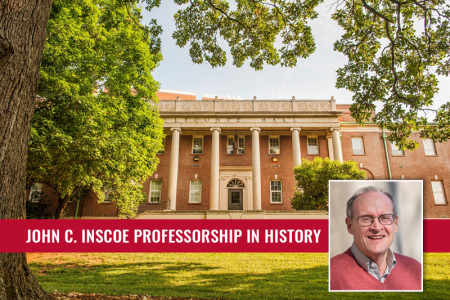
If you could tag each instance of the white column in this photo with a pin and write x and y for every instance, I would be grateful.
(214, 184)
(173, 171)
(337, 148)
(330, 147)
(296, 146)
(256, 169)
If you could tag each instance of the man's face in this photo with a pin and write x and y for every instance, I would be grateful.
(374, 240)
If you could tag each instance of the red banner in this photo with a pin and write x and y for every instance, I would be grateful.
(182, 235)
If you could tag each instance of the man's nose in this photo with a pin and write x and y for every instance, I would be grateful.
(376, 225)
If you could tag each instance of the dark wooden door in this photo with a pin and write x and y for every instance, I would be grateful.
(235, 201)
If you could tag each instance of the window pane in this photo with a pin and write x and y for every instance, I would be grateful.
(274, 145)
(241, 145)
(276, 196)
(395, 150)
(198, 146)
(429, 147)
(156, 185)
(275, 185)
(155, 196)
(358, 147)
(313, 147)
(230, 146)
(195, 192)
(438, 192)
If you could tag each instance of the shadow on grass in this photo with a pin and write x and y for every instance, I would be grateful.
(199, 280)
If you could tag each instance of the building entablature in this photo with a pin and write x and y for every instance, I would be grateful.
(246, 106)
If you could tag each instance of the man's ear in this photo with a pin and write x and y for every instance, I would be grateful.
(396, 224)
(348, 221)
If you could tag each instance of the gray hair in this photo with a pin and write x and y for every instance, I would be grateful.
(365, 190)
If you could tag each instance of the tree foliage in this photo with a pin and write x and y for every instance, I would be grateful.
(312, 181)
(395, 50)
(94, 127)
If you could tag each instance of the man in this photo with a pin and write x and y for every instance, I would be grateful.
(369, 264)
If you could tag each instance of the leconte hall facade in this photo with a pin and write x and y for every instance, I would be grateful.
(228, 158)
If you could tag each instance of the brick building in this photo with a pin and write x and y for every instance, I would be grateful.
(236, 156)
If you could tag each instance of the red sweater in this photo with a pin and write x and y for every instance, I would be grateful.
(346, 274)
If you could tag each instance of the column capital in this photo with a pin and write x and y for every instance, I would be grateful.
(255, 128)
(175, 128)
(215, 128)
(335, 128)
(296, 128)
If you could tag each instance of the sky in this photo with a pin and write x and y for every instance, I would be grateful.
(312, 78)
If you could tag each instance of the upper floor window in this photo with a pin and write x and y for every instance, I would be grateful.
(107, 192)
(161, 151)
(155, 191)
(197, 144)
(395, 150)
(241, 144)
(313, 145)
(275, 191)
(230, 144)
(274, 145)
(35, 192)
(438, 192)
(195, 192)
(358, 145)
(429, 147)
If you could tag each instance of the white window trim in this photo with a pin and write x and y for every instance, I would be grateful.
(307, 145)
(230, 137)
(279, 144)
(395, 148)
(281, 192)
(203, 143)
(363, 148)
(243, 137)
(425, 149)
(150, 192)
(35, 188)
(190, 190)
(163, 150)
(441, 191)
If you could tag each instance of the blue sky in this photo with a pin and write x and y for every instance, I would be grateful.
(312, 78)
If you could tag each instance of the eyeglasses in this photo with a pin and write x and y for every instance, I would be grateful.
(365, 221)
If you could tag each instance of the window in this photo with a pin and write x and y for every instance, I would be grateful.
(161, 151)
(155, 191)
(358, 146)
(429, 147)
(275, 191)
(108, 195)
(230, 145)
(35, 192)
(313, 145)
(274, 145)
(241, 145)
(197, 144)
(396, 151)
(195, 194)
(438, 192)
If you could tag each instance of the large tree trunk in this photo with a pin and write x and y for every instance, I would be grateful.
(23, 25)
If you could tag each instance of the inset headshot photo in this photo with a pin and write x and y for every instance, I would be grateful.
(376, 235)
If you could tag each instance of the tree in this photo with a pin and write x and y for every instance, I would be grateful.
(395, 49)
(23, 27)
(312, 181)
(104, 141)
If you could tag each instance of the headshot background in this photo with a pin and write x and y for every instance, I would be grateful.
(408, 194)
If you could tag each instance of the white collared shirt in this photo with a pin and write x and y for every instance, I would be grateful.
(370, 266)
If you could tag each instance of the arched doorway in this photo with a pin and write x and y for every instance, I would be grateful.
(235, 194)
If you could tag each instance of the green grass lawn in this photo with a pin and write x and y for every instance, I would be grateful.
(215, 275)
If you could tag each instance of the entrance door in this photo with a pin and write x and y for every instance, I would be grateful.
(235, 200)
